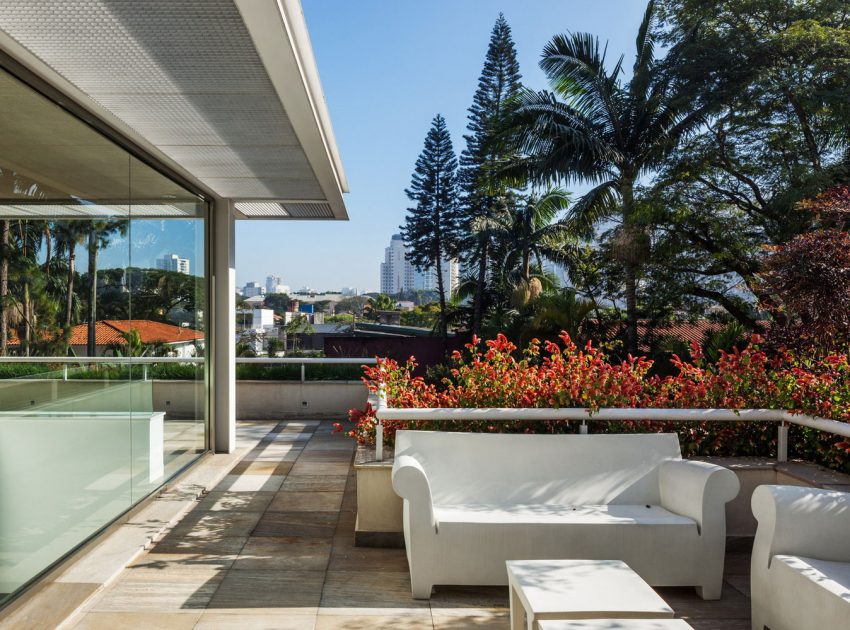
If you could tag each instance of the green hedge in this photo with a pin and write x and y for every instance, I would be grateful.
(183, 372)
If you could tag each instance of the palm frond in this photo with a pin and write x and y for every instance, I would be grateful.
(595, 206)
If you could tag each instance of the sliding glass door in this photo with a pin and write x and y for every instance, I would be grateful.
(103, 309)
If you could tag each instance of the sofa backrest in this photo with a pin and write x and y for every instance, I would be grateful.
(540, 469)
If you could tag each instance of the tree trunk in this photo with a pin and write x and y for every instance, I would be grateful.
(69, 298)
(91, 342)
(481, 282)
(4, 286)
(631, 309)
(630, 266)
(26, 306)
(526, 267)
(444, 328)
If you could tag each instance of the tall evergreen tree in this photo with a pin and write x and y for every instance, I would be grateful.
(481, 189)
(432, 227)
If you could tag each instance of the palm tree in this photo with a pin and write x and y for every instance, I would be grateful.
(381, 302)
(555, 312)
(100, 234)
(527, 232)
(593, 128)
(68, 235)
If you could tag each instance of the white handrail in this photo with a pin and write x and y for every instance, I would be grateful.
(309, 360)
(108, 360)
(608, 414)
(141, 360)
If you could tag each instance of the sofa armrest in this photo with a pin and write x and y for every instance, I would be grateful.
(801, 521)
(411, 483)
(698, 490)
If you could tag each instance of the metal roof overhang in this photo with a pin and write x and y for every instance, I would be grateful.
(225, 94)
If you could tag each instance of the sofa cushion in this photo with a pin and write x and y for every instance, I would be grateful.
(554, 514)
(834, 577)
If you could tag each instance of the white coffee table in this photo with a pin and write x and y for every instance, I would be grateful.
(579, 589)
(619, 624)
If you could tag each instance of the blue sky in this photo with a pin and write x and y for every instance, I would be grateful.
(387, 67)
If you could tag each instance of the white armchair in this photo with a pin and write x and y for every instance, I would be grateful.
(801, 559)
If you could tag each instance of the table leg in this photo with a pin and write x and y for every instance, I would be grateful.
(517, 611)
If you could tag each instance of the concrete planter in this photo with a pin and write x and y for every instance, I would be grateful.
(379, 508)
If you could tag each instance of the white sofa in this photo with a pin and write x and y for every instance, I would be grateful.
(473, 501)
(800, 573)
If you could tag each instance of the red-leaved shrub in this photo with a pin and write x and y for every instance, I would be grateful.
(549, 375)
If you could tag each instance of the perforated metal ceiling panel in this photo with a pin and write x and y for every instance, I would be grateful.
(186, 76)
(271, 209)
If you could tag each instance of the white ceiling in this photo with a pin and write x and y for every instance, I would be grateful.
(186, 78)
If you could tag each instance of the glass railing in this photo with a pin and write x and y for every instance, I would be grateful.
(82, 441)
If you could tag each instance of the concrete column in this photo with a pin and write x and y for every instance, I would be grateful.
(223, 327)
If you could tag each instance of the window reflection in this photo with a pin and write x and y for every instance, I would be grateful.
(100, 256)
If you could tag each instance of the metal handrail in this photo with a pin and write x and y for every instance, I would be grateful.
(309, 360)
(607, 414)
(305, 361)
(108, 360)
(302, 361)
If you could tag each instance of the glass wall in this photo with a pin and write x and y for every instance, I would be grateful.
(103, 297)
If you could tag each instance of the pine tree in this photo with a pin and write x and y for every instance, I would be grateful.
(498, 84)
(432, 227)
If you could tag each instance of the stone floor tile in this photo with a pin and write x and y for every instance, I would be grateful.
(464, 597)
(284, 554)
(685, 602)
(145, 594)
(330, 444)
(217, 501)
(366, 559)
(319, 468)
(298, 590)
(250, 620)
(338, 455)
(218, 524)
(720, 624)
(320, 483)
(740, 583)
(250, 483)
(164, 560)
(261, 468)
(737, 563)
(370, 622)
(310, 524)
(224, 545)
(306, 502)
(369, 593)
(138, 621)
(299, 438)
(464, 618)
(60, 600)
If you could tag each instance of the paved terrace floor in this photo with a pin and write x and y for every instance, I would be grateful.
(272, 546)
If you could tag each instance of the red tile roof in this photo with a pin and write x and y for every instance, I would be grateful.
(109, 331)
(695, 331)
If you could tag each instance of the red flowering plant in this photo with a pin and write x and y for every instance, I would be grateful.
(550, 375)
